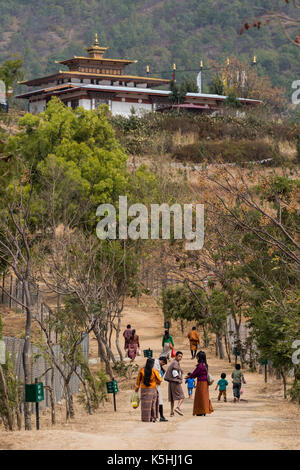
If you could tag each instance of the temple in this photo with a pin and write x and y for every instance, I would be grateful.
(95, 80)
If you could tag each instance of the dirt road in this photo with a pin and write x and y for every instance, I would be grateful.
(263, 420)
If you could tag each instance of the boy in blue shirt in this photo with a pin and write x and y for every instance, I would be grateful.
(190, 384)
(222, 384)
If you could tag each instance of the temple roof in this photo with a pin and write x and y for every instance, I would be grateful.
(102, 76)
(90, 67)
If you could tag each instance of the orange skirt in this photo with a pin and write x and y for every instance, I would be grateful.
(202, 403)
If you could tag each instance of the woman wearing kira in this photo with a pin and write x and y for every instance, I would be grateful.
(202, 403)
(148, 378)
(133, 345)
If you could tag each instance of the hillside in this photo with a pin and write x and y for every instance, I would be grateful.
(158, 32)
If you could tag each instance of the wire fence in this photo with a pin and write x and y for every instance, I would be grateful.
(42, 370)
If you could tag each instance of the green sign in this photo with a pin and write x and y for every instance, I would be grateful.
(34, 393)
(167, 325)
(148, 353)
(112, 387)
(2, 352)
(264, 362)
(235, 351)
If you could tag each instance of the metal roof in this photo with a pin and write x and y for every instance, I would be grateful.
(149, 91)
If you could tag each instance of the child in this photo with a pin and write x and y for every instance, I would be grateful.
(237, 379)
(190, 384)
(222, 384)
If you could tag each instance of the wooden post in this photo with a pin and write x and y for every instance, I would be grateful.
(23, 297)
(3, 286)
(10, 292)
(37, 412)
(115, 403)
(266, 373)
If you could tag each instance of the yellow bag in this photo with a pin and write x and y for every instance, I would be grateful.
(135, 400)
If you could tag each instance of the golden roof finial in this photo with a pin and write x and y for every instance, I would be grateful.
(96, 41)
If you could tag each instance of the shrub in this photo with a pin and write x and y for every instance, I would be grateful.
(125, 370)
(227, 151)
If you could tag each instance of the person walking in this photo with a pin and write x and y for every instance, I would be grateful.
(167, 344)
(127, 333)
(174, 376)
(158, 365)
(194, 339)
(133, 345)
(237, 379)
(222, 385)
(190, 385)
(148, 378)
(202, 403)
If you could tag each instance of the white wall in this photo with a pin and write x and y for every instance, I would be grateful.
(87, 104)
(37, 106)
(120, 107)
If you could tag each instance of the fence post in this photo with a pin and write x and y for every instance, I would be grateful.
(10, 292)
(3, 286)
(23, 297)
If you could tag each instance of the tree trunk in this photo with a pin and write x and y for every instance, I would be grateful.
(103, 354)
(27, 354)
(118, 337)
(283, 375)
(220, 346)
(227, 347)
(69, 402)
(205, 337)
(217, 346)
(9, 416)
(88, 397)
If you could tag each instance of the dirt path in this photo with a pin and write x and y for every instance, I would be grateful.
(263, 420)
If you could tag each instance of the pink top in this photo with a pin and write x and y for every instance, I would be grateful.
(200, 372)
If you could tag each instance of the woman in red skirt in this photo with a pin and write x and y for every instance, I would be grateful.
(202, 403)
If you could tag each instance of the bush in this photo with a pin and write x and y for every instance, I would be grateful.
(97, 388)
(298, 149)
(125, 370)
(294, 391)
(227, 151)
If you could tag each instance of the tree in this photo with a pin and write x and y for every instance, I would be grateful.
(232, 101)
(78, 145)
(217, 86)
(10, 72)
(289, 23)
(177, 94)
(243, 80)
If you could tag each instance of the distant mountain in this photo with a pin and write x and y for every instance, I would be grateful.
(155, 32)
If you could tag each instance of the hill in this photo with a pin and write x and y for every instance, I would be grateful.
(155, 32)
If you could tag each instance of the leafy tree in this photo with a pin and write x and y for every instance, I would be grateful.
(10, 72)
(70, 149)
(232, 101)
(217, 86)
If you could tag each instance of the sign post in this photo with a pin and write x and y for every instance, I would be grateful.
(167, 325)
(112, 387)
(148, 353)
(34, 393)
(265, 362)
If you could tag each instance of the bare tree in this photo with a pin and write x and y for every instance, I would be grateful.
(16, 243)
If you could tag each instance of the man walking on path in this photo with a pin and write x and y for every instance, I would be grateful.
(237, 379)
(174, 376)
(127, 334)
(194, 338)
(158, 365)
